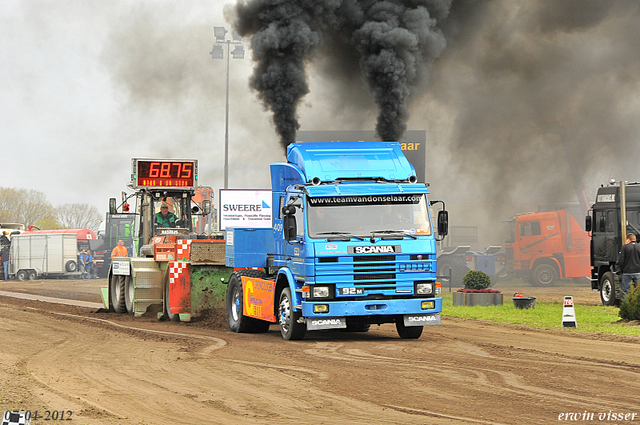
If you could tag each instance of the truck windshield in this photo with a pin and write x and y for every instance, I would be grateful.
(359, 216)
(511, 230)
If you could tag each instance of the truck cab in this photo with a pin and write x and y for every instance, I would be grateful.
(604, 222)
(352, 244)
(546, 246)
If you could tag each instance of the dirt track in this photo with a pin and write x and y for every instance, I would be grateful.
(96, 365)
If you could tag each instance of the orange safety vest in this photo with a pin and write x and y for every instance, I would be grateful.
(119, 251)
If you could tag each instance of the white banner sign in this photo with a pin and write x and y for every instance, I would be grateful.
(120, 268)
(245, 208)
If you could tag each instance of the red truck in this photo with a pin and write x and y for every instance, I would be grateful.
(84, 235)
(546, 246)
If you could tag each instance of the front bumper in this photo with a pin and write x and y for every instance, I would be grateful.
(371, 307)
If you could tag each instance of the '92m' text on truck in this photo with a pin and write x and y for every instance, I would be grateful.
(351, 245)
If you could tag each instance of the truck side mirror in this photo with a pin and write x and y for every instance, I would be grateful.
(112, 206)
(587, 223)
(206, 207)
(290, 228)
(443, 223)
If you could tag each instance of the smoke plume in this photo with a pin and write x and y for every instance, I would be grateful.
(392, 41)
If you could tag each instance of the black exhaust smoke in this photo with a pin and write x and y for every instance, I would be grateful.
(393, 42)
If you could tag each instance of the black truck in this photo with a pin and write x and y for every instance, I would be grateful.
(615, 204)
(117, 226)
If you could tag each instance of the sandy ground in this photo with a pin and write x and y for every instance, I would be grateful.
(103, 368)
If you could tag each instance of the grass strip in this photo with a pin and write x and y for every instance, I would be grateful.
(546, 315)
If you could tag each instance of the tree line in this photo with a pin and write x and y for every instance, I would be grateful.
(31, 207)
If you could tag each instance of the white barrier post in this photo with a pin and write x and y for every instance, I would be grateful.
(569, 314)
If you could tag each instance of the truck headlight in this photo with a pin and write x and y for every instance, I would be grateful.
(424, 288)
(320, 292)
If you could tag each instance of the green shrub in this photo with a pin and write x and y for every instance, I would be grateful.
(630, 306)
(476, 279)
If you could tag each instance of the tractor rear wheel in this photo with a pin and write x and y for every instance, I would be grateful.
(116, 291)
(129, 293)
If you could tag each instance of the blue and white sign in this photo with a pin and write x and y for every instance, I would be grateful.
(245, 208)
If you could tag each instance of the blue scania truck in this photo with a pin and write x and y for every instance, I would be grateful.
(352, 244)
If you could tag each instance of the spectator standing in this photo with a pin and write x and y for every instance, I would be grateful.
(629, 263)
(5, 249)
(120, 250)
(88, 267)
(82, 262)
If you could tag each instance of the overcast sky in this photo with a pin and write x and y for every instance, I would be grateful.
(88, 85)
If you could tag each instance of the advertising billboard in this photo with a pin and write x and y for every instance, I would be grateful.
(245, 208)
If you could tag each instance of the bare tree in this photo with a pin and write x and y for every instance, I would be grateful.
(24, 206)
(79, 216)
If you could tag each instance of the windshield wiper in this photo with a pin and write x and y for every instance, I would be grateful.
(395, 233)
(341, 234)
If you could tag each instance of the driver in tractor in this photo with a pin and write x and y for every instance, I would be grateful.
(166, 218)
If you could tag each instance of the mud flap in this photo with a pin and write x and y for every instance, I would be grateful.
(316, 324)
(422, 319)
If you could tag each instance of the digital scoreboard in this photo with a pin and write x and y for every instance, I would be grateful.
(164, 173)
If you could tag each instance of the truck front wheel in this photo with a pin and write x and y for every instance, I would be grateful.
(608, 289)
(237, 321)
(544, 275)
(408, 332)
(288, 317)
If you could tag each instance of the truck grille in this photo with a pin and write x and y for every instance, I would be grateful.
(374, 268)
(392, 274)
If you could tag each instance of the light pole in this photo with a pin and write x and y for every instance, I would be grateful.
(217, 52)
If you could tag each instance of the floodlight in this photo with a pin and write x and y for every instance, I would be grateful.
(219, 33)
(217, 52)
(238, 52)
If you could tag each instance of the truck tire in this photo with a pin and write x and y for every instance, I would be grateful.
(357, 328)
(444, 271)
(288, 317)
(129, 293)
(608, 290)
(33, 275)
(408, 332)
(22, 275)
(116, 293)
(453, 265)
(171, 316)
(236, 320)
(71, 266)
(544, 275)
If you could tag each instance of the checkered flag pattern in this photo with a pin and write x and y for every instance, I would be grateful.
(182, 249)
(176, 268)
(15, 418)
